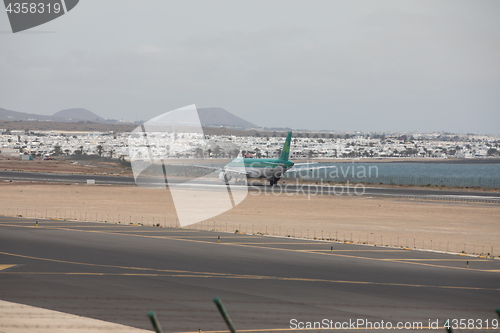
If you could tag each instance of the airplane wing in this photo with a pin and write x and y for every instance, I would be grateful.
(226, 169)
(231, 170)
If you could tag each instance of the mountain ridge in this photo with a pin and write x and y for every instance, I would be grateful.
(209, 117)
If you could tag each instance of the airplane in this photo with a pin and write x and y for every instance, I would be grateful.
(271, 169)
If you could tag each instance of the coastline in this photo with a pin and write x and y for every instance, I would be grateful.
(424, 160)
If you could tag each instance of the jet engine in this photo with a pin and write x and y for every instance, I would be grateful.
(224, 177)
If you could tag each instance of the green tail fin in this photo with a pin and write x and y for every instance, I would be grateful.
(286, 148)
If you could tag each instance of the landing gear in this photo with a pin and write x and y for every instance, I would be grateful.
(273, 181)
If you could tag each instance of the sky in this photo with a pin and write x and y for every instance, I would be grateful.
(383, 66)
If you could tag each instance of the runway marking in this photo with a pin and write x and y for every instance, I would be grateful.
(19, 222)
(107, 266)
(98, 225)
(461, 260)
(209, 236)
(5, 266)
(223, 234)
(138, 230)
(261, 247)
(48, 223)
(263, 243)
(367, 250)
(159, 229)
(248, 277)
(102, 226)
(472, 259)
(107, 225)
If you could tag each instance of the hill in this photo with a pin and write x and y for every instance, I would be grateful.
(209, 117)
(14, 115)
(77, 114)
(218, 117)
(69, 115)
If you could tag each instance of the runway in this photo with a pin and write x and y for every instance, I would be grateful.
(118, 273)
(493, 197)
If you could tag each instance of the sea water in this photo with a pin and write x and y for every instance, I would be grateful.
(447, 174)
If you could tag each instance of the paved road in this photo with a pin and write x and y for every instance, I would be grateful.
(370, 191)
(118, 273)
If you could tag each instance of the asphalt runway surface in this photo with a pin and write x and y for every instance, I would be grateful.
(306, 189)
(118, 273)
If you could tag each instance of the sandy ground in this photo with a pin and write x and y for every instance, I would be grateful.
(380, 221)
(20, 318)
(60, 165)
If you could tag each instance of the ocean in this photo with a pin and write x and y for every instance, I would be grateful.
(432, 174)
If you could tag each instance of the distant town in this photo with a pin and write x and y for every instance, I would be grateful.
(32, 144)
(79, 133)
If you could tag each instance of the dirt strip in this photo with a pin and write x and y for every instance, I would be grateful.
(440, 226)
